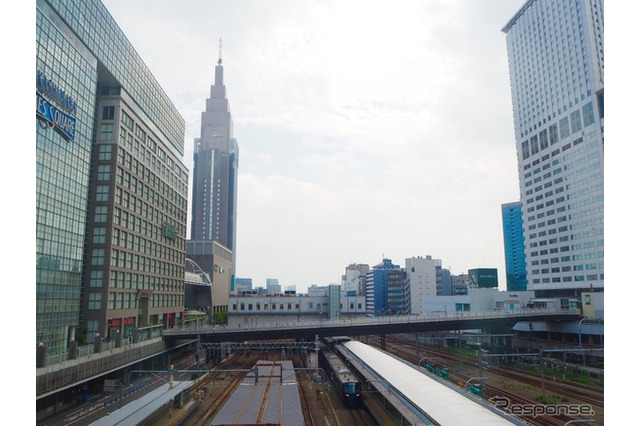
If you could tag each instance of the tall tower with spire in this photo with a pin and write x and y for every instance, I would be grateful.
(214, 200)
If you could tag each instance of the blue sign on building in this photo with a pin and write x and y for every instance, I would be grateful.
(64, 123)
(52, 115)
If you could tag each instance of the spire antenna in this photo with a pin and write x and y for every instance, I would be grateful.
(220, 54)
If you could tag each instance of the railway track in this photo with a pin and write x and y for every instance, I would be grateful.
(219, 391)
(568, 395)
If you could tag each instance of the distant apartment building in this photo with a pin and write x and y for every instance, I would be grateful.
(111, 189)
(354, 280)
(513, 237)
(556, 66)
(422, 279)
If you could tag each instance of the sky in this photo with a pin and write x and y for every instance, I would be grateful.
(366, 130)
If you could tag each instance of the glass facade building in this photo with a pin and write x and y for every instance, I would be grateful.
(81, 57)
(556, 66)
(387, 291)
(513, 235)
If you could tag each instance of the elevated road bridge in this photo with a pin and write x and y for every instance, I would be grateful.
(309, 330)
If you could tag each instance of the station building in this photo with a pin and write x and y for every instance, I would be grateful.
(251, 309)
(111, 187)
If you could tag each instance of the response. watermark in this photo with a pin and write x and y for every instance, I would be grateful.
(535, 410)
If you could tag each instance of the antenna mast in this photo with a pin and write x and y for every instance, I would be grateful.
(220, 54)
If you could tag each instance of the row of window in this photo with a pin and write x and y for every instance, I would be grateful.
(149, 186)
(135, 280)
(118, 301)
(289, 306)
(557, 132)
(568, 279)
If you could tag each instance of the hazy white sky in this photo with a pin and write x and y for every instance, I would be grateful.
(366, 128)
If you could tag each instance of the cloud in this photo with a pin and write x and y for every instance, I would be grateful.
(364, 127)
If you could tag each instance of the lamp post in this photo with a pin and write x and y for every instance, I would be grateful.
(580, 338)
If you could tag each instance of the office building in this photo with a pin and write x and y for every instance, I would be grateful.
(243, 285)
(215, 170)
(216, 260)
(513, 236)
(459, 285)
(273, 286)
(387, 290)
(556, 67)
(422, 278)
(354, 280)
(443, 281)
(109, 147)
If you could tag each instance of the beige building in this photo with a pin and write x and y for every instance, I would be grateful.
(136, 228)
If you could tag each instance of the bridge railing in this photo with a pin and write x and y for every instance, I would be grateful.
(391, 319)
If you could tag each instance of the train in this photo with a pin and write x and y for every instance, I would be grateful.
(349, 385)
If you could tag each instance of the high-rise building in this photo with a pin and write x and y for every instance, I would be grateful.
(387, 290)
(513, 235)
(214, 193)
(215, 171)
(111, 189)
(556, 66)
(422, 278)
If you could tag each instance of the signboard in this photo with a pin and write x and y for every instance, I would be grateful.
(55, 108)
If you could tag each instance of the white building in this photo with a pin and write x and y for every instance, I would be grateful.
(252, 310)
(478, 300)
(354, 279)
(556, 65)
(421, 274)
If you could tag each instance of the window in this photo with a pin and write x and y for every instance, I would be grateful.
(97, 279)
(108, 112)
(140, 134)
(100, 215)
(106, 131)
(127, 120)
(534, 145)
(104, 171)
(105, 152)
(576, 123)
(95, 301)
(544, 142)
(587, 114)
(553, 134)
(525, 149)
(97, 257)
(102, 193)
(99, 235)
(564, 127)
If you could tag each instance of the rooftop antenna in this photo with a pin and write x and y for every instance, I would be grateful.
(220, 54)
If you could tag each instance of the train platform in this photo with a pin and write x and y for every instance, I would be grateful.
(137, 411)
(269, 397)
(415, 397)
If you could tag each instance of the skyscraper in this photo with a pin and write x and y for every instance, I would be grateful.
(556, 66)
(215, 171)
(513, 235)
